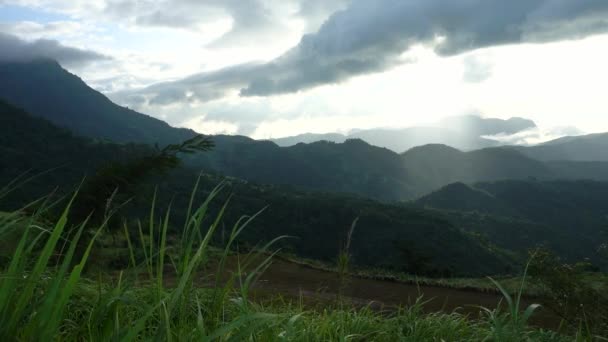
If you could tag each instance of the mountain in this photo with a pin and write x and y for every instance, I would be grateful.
(434, 166)
(579, 170)
(35, 145)
(568, 216)
(411, 239)
(308, 138)
(352, 166)
(587, 148)
(44, 89)
(462, 132)
(359, 168)
(473, 230)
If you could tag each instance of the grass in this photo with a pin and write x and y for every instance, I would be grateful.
(47, 295)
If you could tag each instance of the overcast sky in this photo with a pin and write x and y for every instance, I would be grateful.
(272, 68)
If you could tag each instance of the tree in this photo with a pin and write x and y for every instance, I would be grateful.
(116, 183)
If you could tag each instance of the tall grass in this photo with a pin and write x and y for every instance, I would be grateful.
(43, 280)
(44, 295)
(343, 262)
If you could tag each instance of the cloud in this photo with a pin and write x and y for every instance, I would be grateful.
(476, 69)
(252, 21)
(14, 49)
(35, 30)
(371, 36)
(536, 135)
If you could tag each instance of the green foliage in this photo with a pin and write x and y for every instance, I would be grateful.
(343, 261)
(43, 296)
(511, 325)
(319, 222)
(582, 306)
(565, 216)
(305, 216)
(51, 157)
(121, 179)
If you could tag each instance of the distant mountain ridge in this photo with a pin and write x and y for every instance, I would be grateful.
(462, 132)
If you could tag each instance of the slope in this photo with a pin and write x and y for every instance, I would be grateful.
(568, 216)
(46, 90)
(411, 240)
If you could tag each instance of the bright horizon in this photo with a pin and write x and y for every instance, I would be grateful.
(270, 69)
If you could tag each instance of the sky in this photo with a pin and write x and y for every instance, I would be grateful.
(274, 68)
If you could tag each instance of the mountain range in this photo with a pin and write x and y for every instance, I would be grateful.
(421, 207)
(44, 89)
(468, 132)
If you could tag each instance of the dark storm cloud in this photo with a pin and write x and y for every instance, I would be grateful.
(14, 49)
(370, 36)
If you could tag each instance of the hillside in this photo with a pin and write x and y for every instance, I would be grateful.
(44, 89)
(34, 145)
(359, 168)
(568, 216)
(351, 167)
(411, 239)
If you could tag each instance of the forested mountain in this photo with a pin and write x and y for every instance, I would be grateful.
(410, 239)
(569, 216)
(44, 89)
(359, 168)
(351, 167)
(34, 145)
(485, 225)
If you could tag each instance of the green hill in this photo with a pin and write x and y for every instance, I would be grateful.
(568, 216)
(34, 145)
(411, 239)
